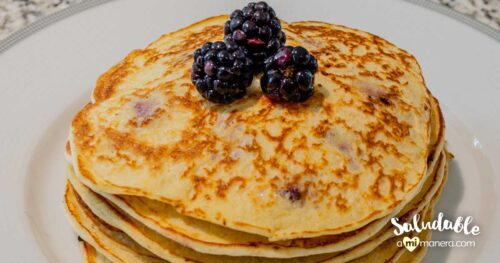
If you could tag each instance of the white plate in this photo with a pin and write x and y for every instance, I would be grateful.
(45, 78)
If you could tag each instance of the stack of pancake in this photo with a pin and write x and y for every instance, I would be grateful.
(158, 174)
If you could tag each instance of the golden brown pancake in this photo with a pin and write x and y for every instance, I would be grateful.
(91, 255)
(355, 152)
(84, 219)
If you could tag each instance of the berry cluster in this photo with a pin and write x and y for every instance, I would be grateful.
(256, 28)
(221, 72)
(289, 75)
(253, 42)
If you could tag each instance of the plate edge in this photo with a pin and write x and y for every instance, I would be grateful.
(493, 33)
(45, 21)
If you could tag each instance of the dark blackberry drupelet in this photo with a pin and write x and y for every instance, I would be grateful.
(289, 75)
(220, 72)
(257, 29)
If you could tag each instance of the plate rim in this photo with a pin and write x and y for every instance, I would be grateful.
(468, 20)
(45, 21)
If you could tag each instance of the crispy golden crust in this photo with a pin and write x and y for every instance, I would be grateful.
(356, 150)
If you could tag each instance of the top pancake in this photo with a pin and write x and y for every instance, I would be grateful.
(350, 154)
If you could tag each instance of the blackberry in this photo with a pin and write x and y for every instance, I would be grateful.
(220, 72)
(257, 29)
(289, 75)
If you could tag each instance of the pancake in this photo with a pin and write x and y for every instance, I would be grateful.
(205, 237)
(355, 152)
(417, 255)
(71, 199)
(172, 251)
(112, 243)
(229, 242)
(91, 255)
(156, 243)
(389, 252)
